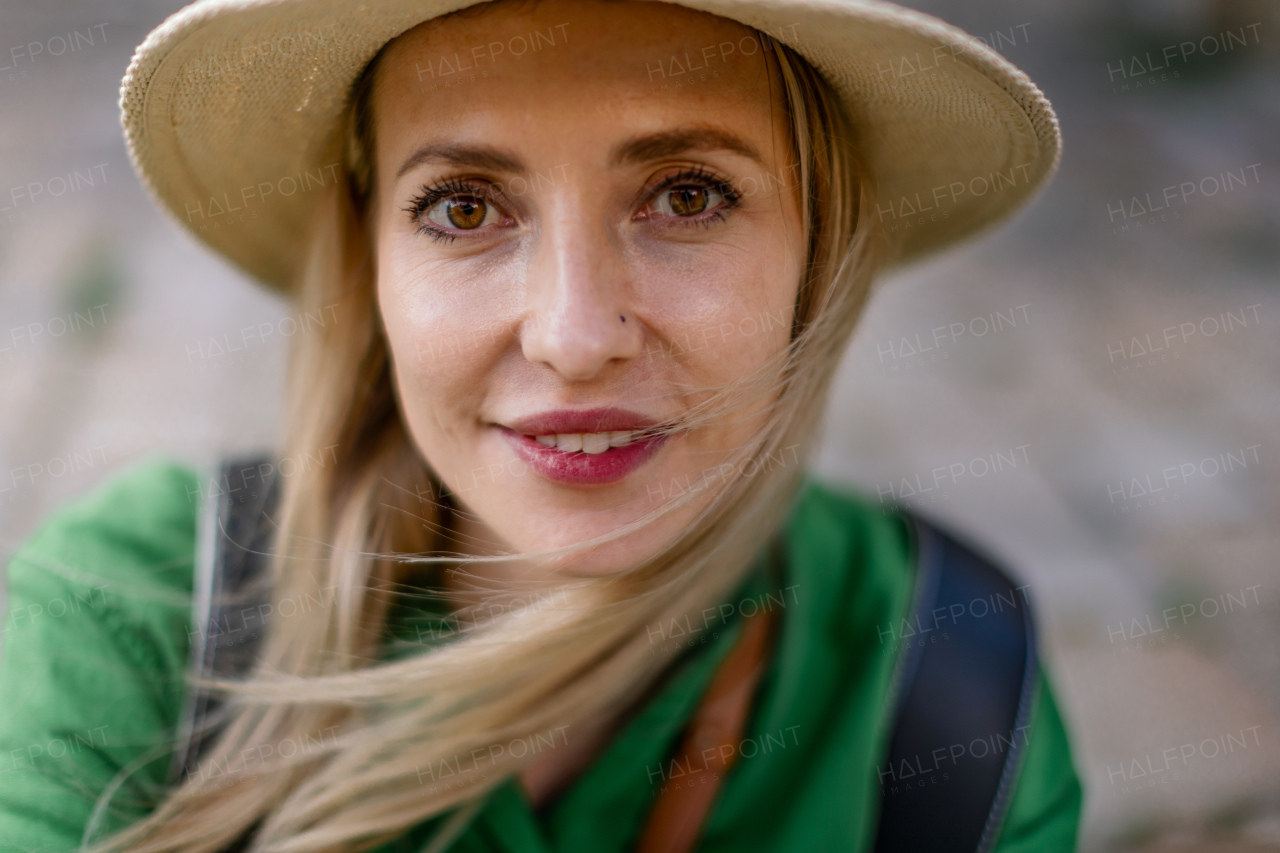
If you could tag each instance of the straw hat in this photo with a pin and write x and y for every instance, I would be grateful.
(230, 107)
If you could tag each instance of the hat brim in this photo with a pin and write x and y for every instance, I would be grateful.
(231, 110)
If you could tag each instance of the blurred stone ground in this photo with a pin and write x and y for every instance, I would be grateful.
(1048, 421)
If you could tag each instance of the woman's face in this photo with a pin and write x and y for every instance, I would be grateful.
(586, 220)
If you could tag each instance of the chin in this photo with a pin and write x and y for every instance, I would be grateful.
(566, 529)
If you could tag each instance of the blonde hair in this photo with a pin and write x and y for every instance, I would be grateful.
(360, 528)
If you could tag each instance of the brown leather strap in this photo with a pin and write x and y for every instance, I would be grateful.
(711, 744)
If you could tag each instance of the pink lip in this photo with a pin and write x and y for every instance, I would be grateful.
(582, 468)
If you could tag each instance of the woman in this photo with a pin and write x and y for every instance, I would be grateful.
(591, 266)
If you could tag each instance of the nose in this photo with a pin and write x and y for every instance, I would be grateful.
(578, 314)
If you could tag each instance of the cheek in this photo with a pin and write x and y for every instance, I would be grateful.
(726, 308)
(451, 303)
(439, 337)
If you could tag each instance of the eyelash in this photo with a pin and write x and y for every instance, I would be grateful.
(431, 195)
(706, 179)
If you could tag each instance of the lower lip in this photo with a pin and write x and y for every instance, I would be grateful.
(583, 469)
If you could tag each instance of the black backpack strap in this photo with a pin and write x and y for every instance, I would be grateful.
(230, 589)
(964, 696)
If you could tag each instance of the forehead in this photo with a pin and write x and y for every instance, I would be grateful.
(528, 63)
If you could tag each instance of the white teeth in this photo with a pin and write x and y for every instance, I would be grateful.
(569, 443)
(586, 442)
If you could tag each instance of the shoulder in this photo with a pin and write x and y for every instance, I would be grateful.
(95, 642)
(1044, 815)
(124, 552)
(857, 557)
(841, 510)
(852, 551)
(147, 509)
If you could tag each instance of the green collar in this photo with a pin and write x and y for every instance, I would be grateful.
(604, 808)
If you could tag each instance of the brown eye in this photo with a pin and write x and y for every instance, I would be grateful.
(450, 208)
(688, 201)
(462, 212)
(466, 213)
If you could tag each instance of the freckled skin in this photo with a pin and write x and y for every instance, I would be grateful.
(522, 315)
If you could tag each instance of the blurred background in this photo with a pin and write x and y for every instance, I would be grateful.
(1098, 342)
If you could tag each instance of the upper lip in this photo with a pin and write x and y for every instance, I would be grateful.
(571, 421)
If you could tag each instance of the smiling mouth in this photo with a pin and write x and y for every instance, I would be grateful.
(585, 447)
(587, 442)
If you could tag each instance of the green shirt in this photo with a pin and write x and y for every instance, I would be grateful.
(95, 642)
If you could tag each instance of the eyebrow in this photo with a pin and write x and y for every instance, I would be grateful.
(668, 143)
(635, 151)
